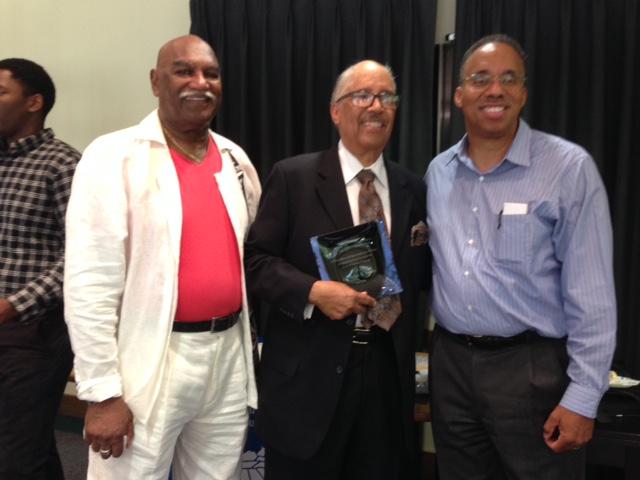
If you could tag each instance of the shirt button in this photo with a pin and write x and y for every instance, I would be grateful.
(470, 241)
(470, 308)
(474, 209)
(466, 273)
(481, 179)
(339, 369)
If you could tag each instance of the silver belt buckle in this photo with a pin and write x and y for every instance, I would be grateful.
(360, 330)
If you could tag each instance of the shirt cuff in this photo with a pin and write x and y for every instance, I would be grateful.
(100, 389)
(581, 400)
(21, 301)
(308, 311)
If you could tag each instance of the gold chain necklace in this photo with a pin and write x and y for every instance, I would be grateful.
(184, 151)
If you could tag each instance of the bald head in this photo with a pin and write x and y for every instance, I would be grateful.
(346, 78)
(173, 47)
(187, 82)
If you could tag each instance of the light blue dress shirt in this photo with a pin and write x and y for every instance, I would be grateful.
(527, 246)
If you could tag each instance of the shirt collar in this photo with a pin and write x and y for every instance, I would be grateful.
(23, 146)
(519, 152)
(351, 166)
(151, 128)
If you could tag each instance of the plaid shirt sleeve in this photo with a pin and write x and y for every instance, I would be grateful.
(42, 287)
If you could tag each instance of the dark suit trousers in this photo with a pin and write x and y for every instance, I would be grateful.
(35, 361)
(489, 407)
(365, 439)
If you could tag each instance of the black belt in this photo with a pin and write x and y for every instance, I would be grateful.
(219, 324)
(490, 341)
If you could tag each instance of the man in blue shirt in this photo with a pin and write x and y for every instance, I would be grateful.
(523, 291)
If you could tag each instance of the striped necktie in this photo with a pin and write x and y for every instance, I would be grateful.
(387, 310)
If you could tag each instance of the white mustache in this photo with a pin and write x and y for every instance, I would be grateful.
(207, 94)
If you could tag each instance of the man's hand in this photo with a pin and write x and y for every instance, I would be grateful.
(565, 430)
(337, 300)
(7, 311)
(108, 426)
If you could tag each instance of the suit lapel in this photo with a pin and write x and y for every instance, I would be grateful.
(233, 197)
(332, 193)
(331, 190)
(161, 166)
(400, 198)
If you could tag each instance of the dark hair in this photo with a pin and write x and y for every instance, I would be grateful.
(493, 38)
(34, 80)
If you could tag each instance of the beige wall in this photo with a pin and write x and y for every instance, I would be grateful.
(445, 19)
(98, 53)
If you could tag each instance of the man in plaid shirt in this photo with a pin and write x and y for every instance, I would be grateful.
(35, 355)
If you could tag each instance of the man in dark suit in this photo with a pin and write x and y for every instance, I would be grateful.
(335, 401)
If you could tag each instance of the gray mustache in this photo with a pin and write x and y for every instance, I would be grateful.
(207, 94)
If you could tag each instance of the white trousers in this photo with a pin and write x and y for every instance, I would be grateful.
(200, 418)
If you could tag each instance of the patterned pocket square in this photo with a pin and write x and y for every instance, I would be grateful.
(419, 234)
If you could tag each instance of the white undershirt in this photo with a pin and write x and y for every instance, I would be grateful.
(351, 166)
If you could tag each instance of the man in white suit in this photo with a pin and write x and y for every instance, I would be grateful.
(154, 284)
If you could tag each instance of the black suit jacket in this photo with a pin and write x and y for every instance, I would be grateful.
(300, 373)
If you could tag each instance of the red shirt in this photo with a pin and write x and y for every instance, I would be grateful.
(209, 277)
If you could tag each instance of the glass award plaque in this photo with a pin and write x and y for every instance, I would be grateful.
(359, 256)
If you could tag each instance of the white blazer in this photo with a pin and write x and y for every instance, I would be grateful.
(123, 227)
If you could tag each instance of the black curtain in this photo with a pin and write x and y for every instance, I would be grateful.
(584, 84)
(280, 59)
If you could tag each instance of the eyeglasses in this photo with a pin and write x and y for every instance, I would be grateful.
(484, 79)
(365, 99)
